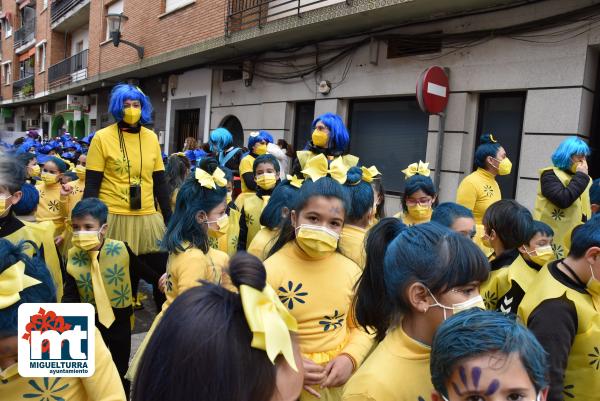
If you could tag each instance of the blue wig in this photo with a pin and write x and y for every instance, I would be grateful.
(123, 92)
(415, 183)
(475, 332)
(446, 213)
(585, 237)
(338, 134)
(284, 196)
(60, 164)
(487, 147)
(191, 199)
(539, 227)
(28, 202)
(595, 192)
(266, 158)
(360, 193)
(572, 146)
(261, 136)
(220, 139)
(34, 267)
(93, 207)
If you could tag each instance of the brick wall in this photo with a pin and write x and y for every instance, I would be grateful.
(8, 52)
(42, 32)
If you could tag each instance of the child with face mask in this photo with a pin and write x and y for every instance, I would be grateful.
(483, 355)
(316, 283)
(419, 195)
(98, 272)
(257, 146)
(74, 190)
(561, 308)
(53, 195)
(508, 227)
(266, 175)
(415, 278)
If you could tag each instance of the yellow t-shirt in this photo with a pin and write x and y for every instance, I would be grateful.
(263, 242)
(75, 196)
(103, 385)
(318, 293)
(397, 370)
(51, 206)
(246, 165)
(105, 155)
(477, 192)
(352, 244)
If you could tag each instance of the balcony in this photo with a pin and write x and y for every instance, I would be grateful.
(69, 70)
(23, 88)
(66, 15)
(25, 36)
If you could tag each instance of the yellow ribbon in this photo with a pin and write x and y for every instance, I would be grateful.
(211, 181)
(318, 167)
(12, 281)
(270, 323)
(368, 174)
(106, 315)
(417, 168)
(295, 181)
(493, 139)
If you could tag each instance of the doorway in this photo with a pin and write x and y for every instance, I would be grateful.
(303, 118)
(234, 126)
(187, 124)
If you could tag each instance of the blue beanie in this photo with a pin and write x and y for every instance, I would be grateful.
(28, 201)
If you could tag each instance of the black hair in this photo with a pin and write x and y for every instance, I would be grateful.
(539, 227)
(284, 196)
(267, 159)
(585, 237)
(90, 207)
(201, 349)
(511, 221)
(379, 190)
(176, 170)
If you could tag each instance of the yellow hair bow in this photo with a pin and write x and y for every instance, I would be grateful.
(12, 281)
(211, 181)
(270, 323)
(295, 181)
(493, 139)
(417, 168)
(319, 167)
(368, 174)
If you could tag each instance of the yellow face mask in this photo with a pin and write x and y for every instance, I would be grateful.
(86, 240)
(222, 222)
(132, 115)
(419, 212)
(485, 241)
(260, 149)
(504, 166)
(35, 170)
(80, 171)
(542, 255)
(320, 138)
(49, 178)
(316, 241)
(266, 181)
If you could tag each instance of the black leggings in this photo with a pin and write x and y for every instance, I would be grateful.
(118, 340)
(158, 262)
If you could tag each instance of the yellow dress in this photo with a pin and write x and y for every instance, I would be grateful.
(246, 166)
(103, 385)
(397, 370)
(51, 206)
(318, 293)
(477, 192)
(352, 244)
(263, 242)
(562, 221)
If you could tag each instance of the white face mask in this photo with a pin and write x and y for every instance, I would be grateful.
(475, 302)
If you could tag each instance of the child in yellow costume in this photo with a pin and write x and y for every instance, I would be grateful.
(200, 205)
(316, 283)
(74, 190)
(266, 175)
(52, 195)
(225, 236)
(27, 280)
(428, 274)
(257, 144)
(419, 195)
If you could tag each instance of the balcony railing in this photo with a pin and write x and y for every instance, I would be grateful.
(23, 88)
(60, 8)
(25, 34)
(243, 14)
(69, 70)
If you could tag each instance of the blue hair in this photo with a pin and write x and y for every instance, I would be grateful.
(539, 227)
(476, 332)
(123, 92)
(446, 213)
(90, 207)
(572, 146)
(487, 147)
(360, 194)
(60, 164)
(228, 173)
(266, 158)
(262, 136)
(338, 134)
(192, 198)
(595, 192)
(28, 201)
(220, 139)
(284, 196)
(415, 183)
(585, 237)
(35, 267)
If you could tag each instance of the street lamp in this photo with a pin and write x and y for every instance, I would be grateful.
(114, 28)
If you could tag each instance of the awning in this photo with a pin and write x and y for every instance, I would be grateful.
(27, 54)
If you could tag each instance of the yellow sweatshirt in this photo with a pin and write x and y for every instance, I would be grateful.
(103, 385)
(263, 242)
(352, 244)
(51, 207)
(397, 370)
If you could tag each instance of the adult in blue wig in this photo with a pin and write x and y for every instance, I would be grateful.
(563, 199)
(125, 170)
(329, 137)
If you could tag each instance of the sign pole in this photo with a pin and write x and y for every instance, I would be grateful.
(440, 148)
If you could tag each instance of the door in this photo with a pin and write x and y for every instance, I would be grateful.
(501, 114)
(187, 123)
(303, 118)
(234, 126)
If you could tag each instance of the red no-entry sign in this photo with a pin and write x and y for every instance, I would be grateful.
(433, 90)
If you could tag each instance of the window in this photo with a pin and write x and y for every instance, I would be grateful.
(45, 4)
(502, 115)
(390, 134)
(40, 56)
(26, 68)
(114, 8)
(7, 73)
(303, 118)
(7, 28)
(171, 5)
